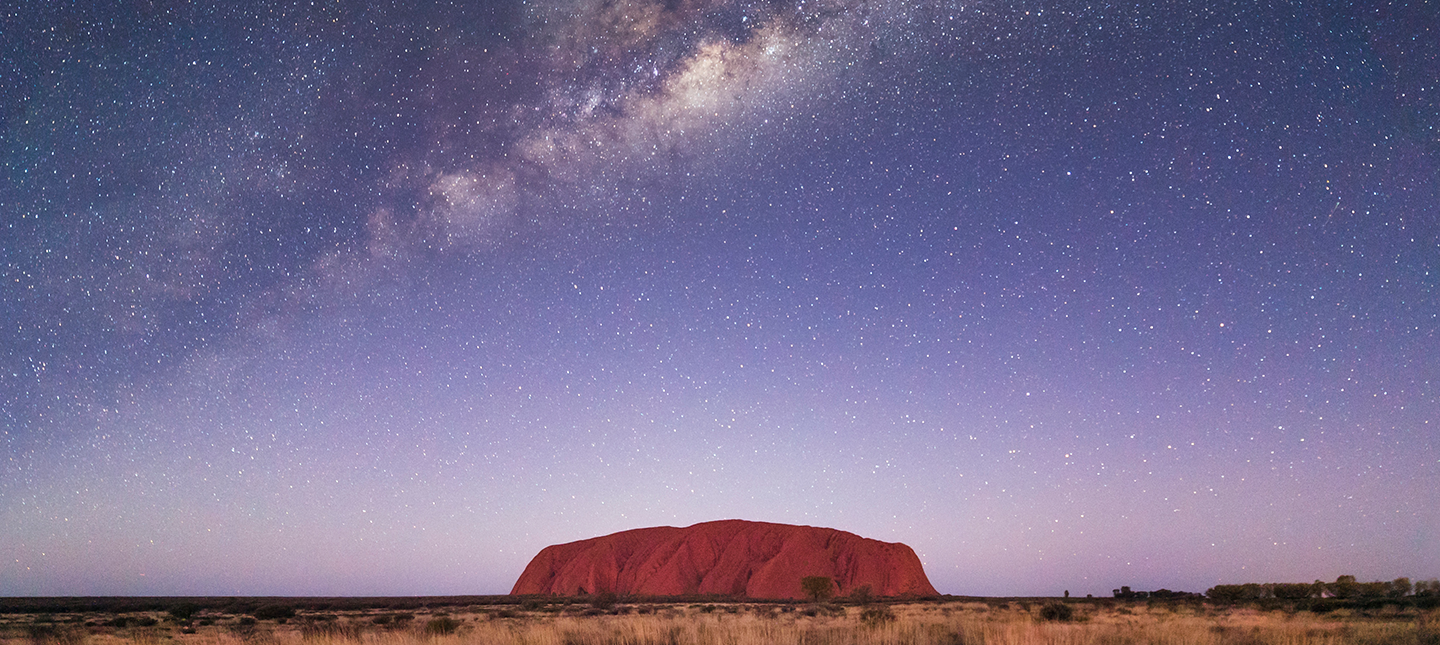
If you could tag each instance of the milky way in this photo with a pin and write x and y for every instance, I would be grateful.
(354, 299)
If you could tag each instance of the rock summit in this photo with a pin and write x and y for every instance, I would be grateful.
(728, 557)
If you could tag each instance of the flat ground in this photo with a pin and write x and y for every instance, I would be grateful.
(973, 622)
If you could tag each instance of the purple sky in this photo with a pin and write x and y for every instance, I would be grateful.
(341, 299)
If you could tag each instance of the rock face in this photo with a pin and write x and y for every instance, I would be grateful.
(728, 557)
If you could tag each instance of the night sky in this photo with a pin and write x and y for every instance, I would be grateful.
(348, 298)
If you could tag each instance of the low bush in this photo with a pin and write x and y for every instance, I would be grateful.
(273, 612)
(1057, 611)
(442, 626)
(877, 615)
(184, 611)
(50, 634)
(1325, 606)
(603, 600)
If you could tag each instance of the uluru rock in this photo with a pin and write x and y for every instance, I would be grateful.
(728, 557)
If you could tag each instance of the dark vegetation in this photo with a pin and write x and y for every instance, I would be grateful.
(1344, 593)
(1125, 593)
(50, 634)
(817, 587)
(1058, 611)
(877, 615)
(441, 626)
(603, 600)
(184, 610)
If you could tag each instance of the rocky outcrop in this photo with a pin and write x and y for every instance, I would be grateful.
(728, 557)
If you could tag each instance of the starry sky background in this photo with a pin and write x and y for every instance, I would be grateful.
(344, 298)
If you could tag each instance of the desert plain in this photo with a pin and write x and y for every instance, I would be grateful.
(612, 621)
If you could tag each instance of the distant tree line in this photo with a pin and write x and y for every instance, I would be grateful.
(1124, 593)
(1344, 588)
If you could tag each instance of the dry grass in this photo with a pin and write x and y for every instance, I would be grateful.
(971, 623)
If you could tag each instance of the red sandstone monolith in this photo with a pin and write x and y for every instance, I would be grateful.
(729, 557)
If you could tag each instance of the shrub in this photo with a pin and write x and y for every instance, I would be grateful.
(602, 600)
(49, 634)
(1057, 611)
(1325, 606)
(817, 587)
(57, 635)
(878, 615)
(273, 612)
(441, 626)
(184, 610)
